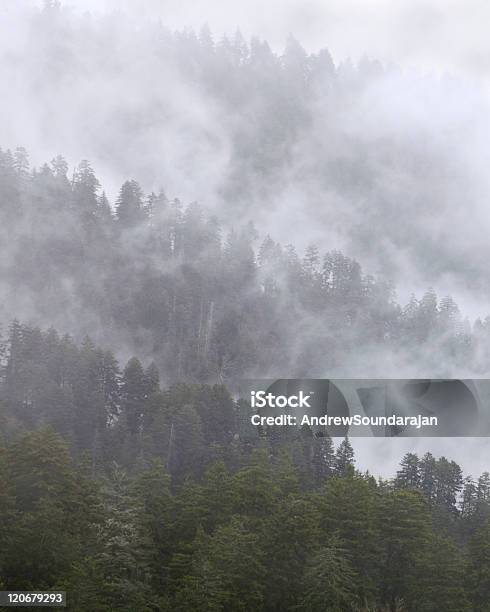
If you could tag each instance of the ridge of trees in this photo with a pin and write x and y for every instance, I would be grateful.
(132, 496)
(156, 278)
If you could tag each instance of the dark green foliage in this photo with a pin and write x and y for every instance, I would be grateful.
(408, 477)
(407, 542)
(165, 500)
(479, 569)
(50, 513)
(350, 509)
(344, 458)
(328, 579)
(227, 570)
(244, 540)
(160, 533)
(137, 495)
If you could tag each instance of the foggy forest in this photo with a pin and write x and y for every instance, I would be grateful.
(180, 211)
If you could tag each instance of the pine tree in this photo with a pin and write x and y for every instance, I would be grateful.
(217, 496)
(328, 581)
(228, 571)
(129, 205)
(344, 458)
(349, 508)
(427, 315)
(254, 487)
(85, 187)
(216, 410)
(55, 512)
(449, 482)
(445, 579)
(186, 449)
(323, 459)
(428, 476)
(104, 210)
(155, 520)
(408, 477)
(21, 163)
(407, 541)
(126, 552)
(469, 499)
(479, 568)
(289, 535)
(134, 392)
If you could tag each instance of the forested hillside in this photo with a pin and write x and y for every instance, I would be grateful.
(311, 190)
(165, 281)
(135, 497)
(377, 160)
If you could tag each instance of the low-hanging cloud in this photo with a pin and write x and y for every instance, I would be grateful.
(387, 162)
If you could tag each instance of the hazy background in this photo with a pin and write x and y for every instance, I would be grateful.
(435, 35)
(413, 203)
(417, 135)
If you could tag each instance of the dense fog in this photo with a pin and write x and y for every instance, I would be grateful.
(383, 159)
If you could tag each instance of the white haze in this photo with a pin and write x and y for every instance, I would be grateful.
(421, 142)
(420, 134)
(431, 35)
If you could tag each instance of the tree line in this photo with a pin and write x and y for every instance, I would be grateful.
(153, 277)
(130, 496)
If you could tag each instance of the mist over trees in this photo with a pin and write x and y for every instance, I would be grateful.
(384, 164)
(163, 280)
(130, 474)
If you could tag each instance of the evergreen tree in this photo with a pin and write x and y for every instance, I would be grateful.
(407, 541)
(85, 187)
(130, 210)
(469, 498)
(479, 568)
(449, 482)
(344, 458)
(134, 392)
(445, 579)
(323, 460)
(408, 477)
(228, 571)
(428, 476)
(328, 579)
(350, 509)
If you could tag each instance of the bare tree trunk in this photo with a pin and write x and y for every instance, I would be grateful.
(209, 327)
(170, 442)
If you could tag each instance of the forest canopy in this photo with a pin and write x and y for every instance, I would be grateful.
(239, 211)
(132, 496)
(163, 280)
